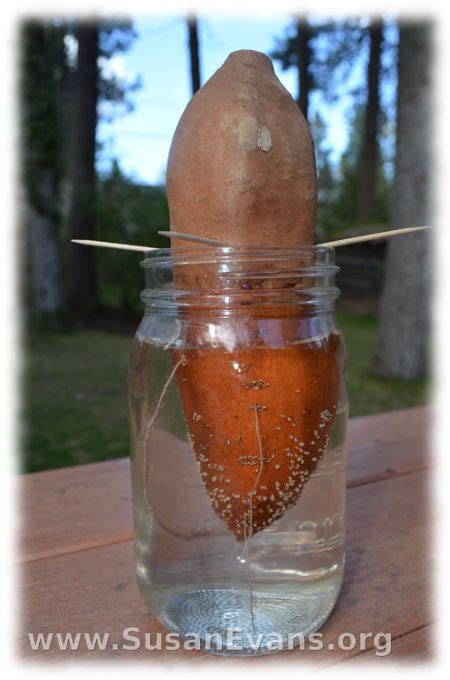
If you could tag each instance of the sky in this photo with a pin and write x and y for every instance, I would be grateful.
(159, 56)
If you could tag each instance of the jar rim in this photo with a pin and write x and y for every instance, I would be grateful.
(228, 276)
(201, 254)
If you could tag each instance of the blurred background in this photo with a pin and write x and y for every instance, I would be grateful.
(99, 103)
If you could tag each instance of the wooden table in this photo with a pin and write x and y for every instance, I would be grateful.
(78, 559)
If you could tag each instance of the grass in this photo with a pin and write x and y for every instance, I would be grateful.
(75, 393)
(368, 393)
(74, 399)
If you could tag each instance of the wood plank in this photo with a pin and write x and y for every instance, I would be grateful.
(385, 586)
(416, 646)
(86, 506)
(75, 508)
(389, 443)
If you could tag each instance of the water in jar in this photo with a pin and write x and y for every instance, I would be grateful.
(194, 574)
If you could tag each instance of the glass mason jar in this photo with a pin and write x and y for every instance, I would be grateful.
(238, 405)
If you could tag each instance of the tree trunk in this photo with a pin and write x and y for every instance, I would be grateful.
(303, 61)
(42, 63)
(83, 287)
(368, 165)
(404, 312)
(44, 252)
(194, 54)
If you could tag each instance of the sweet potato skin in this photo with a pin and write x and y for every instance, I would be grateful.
(258, 405)
(242, 170)
(241, 166)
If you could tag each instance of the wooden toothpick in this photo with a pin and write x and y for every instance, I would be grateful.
(188, 237)
(371, 237)
(211, 242)
(334, 244)
(107, 244)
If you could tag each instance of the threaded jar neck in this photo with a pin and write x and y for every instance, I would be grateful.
(235, 277)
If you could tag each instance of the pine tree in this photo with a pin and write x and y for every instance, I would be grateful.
(404, 310)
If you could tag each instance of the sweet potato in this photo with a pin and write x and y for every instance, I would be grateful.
(259, 412)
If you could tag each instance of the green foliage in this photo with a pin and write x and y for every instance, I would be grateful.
(327, 189)
(126, 213)
(340, 214)
(43, 69)
(334, 47)
(47, 93)
(115, 37)
(344, 208)
(48, 60)
(337, 45)
(338, 185)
